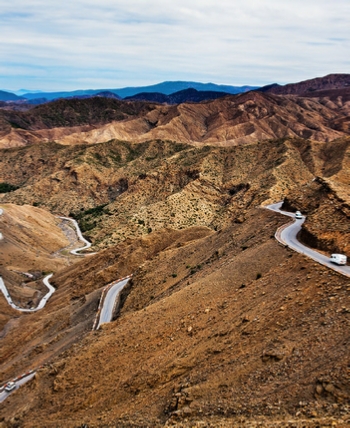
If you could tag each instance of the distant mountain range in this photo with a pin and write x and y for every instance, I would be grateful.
(181, 91)
(166, 88)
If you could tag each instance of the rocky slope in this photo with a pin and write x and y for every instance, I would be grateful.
(221, 325)
(213, 329)
(118, 190)
(231, 120)
(19, 128)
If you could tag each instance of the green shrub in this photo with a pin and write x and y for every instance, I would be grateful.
(93, 212)
(7, 187)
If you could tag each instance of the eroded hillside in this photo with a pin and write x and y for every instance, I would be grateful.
(218, 326)
(119, 190)
(239, 119)
(221, 325)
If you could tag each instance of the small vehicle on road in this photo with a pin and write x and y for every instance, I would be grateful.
(10, 386)
(339, 259)
(298, 215)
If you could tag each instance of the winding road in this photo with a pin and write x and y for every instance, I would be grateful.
(287, 235)
(81, 238)
(111, 300)
(51, 289)
(105, 314)
(42, 302)
(28, 376)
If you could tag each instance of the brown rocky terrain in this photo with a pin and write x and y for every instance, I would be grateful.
(118, 190)
(52, 120)
(243, 118)
(221, 325)
(212, 327)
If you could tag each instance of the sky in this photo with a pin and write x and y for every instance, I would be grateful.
(55, 45)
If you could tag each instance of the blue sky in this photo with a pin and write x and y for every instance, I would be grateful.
(85, 44)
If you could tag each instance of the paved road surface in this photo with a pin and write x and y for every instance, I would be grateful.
(4, 394)
(42, 302)
(288, 236)
(110, 301)
(81, 238)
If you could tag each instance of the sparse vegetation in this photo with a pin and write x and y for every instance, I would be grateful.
(92, 212)
(7, 187)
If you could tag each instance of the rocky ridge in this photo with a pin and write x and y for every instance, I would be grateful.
(311, 86)
(232, 120)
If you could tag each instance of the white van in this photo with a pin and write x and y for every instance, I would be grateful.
(338, 259)
(298, 215)
(10, 386)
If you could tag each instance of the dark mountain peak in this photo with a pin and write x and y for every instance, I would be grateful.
(157, 97)
(107, 94)
(309, 87)
(183, 96)
(194, 95)
(269, 88)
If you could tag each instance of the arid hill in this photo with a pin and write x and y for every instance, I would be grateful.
(27, 252)
(40, 123)
(118, 189)
(213, 331)
(232, 120)
(221, 326)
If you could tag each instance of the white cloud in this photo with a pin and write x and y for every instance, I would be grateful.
(113, 43)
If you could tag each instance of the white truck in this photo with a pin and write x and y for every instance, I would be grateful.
(339, 259)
